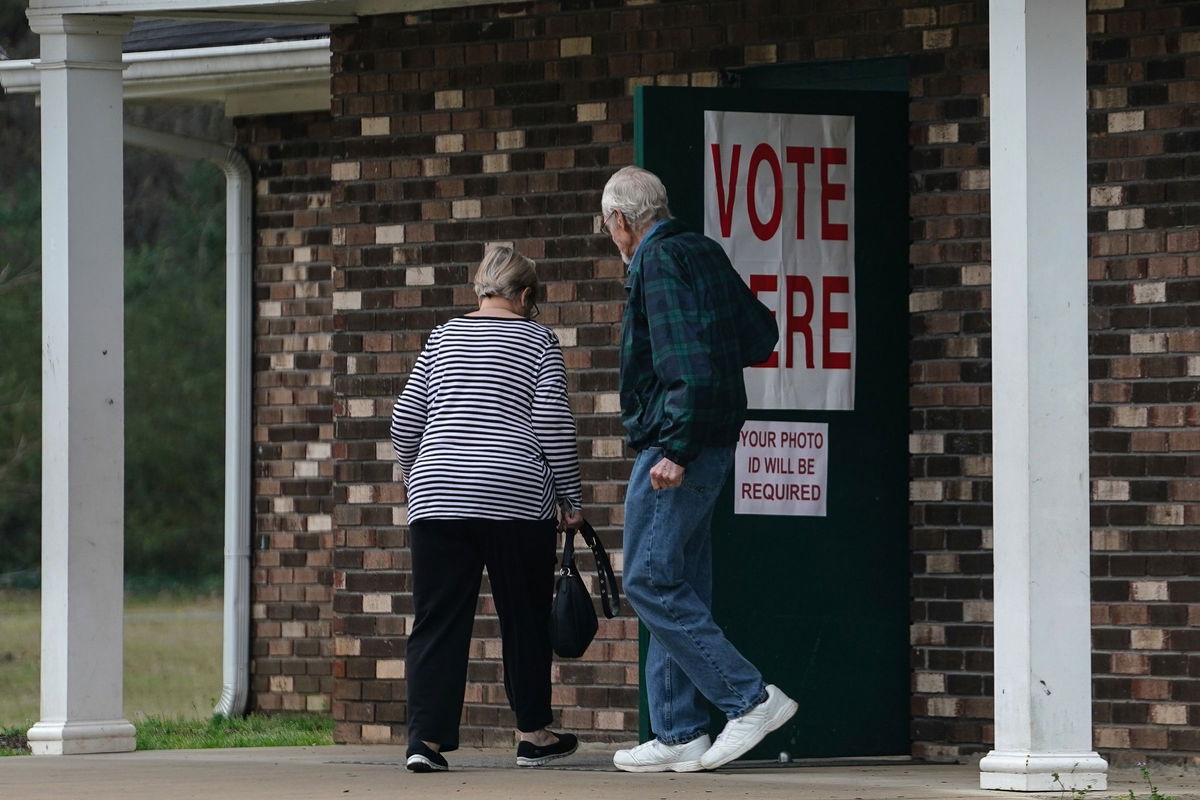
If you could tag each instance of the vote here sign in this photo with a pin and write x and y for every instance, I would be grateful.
(779, 197)
(781, 468)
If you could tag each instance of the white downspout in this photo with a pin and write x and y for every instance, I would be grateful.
(238, 354)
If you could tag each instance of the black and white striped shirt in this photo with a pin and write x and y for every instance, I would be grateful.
(483, 428)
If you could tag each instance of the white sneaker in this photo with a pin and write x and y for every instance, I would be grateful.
(741, 734)
(654, 756)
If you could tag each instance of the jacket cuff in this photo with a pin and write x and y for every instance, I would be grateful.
(680, 457)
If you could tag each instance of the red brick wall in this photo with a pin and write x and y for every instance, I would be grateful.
(1144, 81)
(949, 395)
(293, 539)
(501, 123)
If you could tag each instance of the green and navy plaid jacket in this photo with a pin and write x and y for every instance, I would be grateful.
(691, 325)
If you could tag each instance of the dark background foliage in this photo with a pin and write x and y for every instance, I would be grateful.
(174, 331)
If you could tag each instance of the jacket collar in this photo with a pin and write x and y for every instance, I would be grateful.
(661, 230)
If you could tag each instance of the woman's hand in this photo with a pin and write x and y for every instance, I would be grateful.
(572, 520)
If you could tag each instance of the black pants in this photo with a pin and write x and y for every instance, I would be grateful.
(448, 557)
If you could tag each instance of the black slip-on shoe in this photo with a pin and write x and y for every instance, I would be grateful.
(422, 759)
(531, 755)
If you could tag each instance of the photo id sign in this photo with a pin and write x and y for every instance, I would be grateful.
(781, 468)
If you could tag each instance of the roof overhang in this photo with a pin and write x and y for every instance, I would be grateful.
(332, 12)
(267, 78)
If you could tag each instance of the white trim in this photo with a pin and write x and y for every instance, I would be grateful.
(330, 11)
(83, 395)
(311, 10)
(1023, 771)
(266, 78)
(84, 24)
(369, 8)
(1041, 544)
(277, 17)
(71, 738)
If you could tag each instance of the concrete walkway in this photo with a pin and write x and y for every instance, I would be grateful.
(325, 773)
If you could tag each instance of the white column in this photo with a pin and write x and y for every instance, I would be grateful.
(1043, 686)
(83, 408)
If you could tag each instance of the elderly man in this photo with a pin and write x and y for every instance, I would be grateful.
(691, 325)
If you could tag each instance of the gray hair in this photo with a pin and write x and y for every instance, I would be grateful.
(504, 272)
(638, 194)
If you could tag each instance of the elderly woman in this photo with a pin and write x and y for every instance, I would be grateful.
(486, 442)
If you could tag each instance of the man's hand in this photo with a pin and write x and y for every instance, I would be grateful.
(572, 520)
(666, 474)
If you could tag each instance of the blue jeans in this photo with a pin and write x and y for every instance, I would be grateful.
(668, 580)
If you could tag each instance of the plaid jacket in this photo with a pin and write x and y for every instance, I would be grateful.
(691, 324)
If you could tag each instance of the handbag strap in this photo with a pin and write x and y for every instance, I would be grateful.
(610, 595)
(568, 556)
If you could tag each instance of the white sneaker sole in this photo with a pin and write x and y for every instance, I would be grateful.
(775, 722)
(540, 761)
(677, 766)
(419, 763)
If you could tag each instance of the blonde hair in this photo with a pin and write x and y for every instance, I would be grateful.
(504, 272)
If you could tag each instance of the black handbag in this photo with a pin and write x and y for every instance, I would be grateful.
(573, 621)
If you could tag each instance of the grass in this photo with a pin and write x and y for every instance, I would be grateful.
(20, 652)
(254, 730)
(172, 656)
(172, 677)
(12, 741)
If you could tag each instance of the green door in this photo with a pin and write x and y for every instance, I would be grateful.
(819, 603)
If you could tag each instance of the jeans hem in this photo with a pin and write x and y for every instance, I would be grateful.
(762, 698)
(691, 737)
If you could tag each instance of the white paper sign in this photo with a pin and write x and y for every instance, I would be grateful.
(779, 197)
(781, 468)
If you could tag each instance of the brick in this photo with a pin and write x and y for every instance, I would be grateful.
(919, 17)
(575, 46)
(1106, 195)
(376, 126)
(760, 54)
(389, 669)
(1149, 292)
(1143, 639)
(937, 39)
(510, 140)
(450, 143)
(450, 98)
(1126, 219)
(1126, 121)
(1168, 714)
(943, 133)
(591, 112)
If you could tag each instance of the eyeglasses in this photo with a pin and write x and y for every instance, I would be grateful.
(532, 310)
(604, 223)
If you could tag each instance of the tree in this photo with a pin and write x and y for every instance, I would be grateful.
(174, 372)
(20, 373)
(174, 388)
